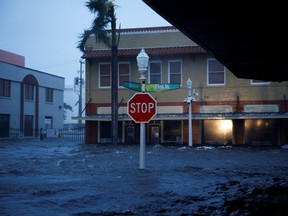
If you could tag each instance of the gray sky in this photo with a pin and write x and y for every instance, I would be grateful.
(46, 32)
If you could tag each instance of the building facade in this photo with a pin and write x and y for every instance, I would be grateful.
(227, 110)
(30, 100)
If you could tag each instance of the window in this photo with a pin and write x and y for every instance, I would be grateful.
(29, 92)
(124, 71)
(215, 73)
(48, 122)
(172, 131)
(4, 125)
(28, 125)
(259, 82)
(218, 131)
(155, 72)
(49, 95)
(104, 75)
(261, 131)
(175, 71)
(105, 131)
(4, 88)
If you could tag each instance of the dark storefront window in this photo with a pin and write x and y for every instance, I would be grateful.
(105, 131)
(172, 131)
(261, 132)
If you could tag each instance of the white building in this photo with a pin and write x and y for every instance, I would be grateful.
(29, 100)
(71, 98)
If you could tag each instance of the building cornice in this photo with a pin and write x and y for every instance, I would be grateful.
(146, 30)
(153, 51)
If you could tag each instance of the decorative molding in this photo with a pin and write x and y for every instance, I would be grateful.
(216, 109)
(261, 108)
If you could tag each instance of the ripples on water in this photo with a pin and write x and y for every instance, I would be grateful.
(72, 178)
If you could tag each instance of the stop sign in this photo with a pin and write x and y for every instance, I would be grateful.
(142, 107)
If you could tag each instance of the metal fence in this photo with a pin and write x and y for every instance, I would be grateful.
(69, 134)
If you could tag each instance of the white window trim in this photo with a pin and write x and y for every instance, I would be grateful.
(260, 83)
(119, 86)
(99, 76)
(207, 74)
(176, 60)
(148, 74)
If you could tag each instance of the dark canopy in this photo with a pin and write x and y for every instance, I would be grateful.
(249, 38)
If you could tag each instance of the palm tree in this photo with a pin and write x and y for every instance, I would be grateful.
(105, 16)
(65, 108)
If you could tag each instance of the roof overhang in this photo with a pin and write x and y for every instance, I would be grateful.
(196, 116)
(156, 51)
(250, 39)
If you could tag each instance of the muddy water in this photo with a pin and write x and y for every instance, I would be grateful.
(52, 178)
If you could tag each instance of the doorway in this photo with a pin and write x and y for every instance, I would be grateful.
(154, 134)
(130, 134)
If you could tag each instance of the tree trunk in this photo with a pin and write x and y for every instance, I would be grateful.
(114, 91)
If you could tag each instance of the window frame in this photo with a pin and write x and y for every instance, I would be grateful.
(99, 75)
(5, 88)
(169, 71)
(129, 69)
(149, 71)
(259, 82)
(48, 122)
(49, 95)
(208, 73)
(29, 92)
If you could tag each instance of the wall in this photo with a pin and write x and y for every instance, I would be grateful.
(11, 105)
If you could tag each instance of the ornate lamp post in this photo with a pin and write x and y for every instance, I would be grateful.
(189, 87)
(189, 100)
(142, 62)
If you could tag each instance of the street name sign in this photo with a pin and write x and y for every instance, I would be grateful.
(151, 87)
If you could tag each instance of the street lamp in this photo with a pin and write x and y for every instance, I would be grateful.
(189, 100)
(142, 62)
(189, 87)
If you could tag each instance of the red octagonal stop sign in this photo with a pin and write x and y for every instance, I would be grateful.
(142, 107)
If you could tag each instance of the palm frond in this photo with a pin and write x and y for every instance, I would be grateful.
(105, 15)
(83, 38)
(97, 6)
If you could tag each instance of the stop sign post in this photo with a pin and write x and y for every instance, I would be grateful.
(142, 107)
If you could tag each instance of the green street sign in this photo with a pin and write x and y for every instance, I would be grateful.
(162, 87)
(152, 87)
(132, 85)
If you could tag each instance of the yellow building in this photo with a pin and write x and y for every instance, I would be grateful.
(227, 110)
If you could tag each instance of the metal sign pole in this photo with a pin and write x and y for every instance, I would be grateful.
(142, 146)
(142, 136)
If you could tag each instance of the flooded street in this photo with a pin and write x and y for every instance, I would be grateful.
(69, 178)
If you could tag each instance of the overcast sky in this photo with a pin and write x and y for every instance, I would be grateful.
(47, 32)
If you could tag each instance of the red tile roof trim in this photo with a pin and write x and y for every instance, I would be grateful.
(157, 51)
(145, 29)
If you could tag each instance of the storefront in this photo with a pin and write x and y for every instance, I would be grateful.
(208, 129)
